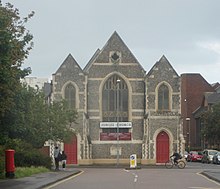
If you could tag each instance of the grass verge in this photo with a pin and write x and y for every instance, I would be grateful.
(28, 171)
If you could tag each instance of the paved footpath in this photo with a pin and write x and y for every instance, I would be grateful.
(42, 180)
(37, 181)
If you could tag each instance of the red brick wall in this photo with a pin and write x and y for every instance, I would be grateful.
(193, 87)
(45, 150)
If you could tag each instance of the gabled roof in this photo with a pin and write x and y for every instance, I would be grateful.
(115, 43)
(215, 85)
(210, 98)
(69, 60)
(163, 60)
(198, 78)
(213, 98)
(88, 65)
(217, 89)
(199, 111)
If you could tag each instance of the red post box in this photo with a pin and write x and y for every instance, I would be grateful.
(9, 163)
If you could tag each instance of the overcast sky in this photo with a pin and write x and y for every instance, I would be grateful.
(187, 32)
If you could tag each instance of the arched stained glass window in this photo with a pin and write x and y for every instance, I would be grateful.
(115, 89)
(163, 98)
(70, 96)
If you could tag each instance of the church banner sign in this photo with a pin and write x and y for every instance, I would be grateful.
(115, 124)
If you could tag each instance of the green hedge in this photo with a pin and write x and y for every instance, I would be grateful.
(2, 162)
(25, 159)
(32, 158)
(25, 155)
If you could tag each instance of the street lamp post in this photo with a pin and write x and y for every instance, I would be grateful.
(117, 90)
(188, 120)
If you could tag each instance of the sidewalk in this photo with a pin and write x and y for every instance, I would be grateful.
(37, 181)
(44, 179)
(214, 175)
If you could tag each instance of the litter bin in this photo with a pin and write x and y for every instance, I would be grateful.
(9, 163)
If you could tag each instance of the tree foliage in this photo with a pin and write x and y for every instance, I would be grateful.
(35, 122)
(26, 120)
(211, 121)
(15, 44)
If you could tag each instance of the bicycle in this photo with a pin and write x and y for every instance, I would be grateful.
(170, 163)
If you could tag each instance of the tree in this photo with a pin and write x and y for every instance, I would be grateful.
(15, 44)
(211, 129)
(35, 122)
(23, 111)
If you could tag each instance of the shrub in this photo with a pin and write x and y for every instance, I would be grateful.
(27, 156)
(2, 162)
(32, 158)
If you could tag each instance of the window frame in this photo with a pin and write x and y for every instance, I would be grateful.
(164, 104)
(71, 96)
(110, 85)
(109, 106)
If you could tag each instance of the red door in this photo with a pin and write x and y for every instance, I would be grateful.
(162, 153)
(71, 151)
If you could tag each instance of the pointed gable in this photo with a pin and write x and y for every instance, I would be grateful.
(162, 68)
(115, 43)
(91, 61)
(69, 64)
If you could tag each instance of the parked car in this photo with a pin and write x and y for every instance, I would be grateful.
(194, 156)
(208, 155)
(216, 158)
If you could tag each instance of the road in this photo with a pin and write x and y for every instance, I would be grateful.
(151, 178)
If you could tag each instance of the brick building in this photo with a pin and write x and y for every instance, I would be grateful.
(193, 87)
(122, 109)
(208, 101)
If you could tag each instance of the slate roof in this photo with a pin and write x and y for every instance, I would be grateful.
(213, 98)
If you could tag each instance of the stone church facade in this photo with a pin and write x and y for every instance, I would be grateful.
(122, 110)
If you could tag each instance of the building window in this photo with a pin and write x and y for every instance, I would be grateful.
(109, 100)
(163, 98)
(70, 96)
(115, 108)
(114, 57)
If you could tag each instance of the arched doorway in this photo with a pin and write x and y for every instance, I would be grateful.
(162, 153)
(71, 151)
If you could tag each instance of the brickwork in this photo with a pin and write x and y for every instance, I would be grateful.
(193, 87)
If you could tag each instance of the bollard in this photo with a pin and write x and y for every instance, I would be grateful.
(9, 163)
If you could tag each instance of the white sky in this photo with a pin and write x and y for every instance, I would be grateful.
(187, 32)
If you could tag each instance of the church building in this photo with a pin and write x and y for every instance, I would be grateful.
(122, 109)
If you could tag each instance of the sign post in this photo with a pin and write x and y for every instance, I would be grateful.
(133, 161)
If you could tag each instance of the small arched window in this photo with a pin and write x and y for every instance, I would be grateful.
(163, 98)
(70, 96)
